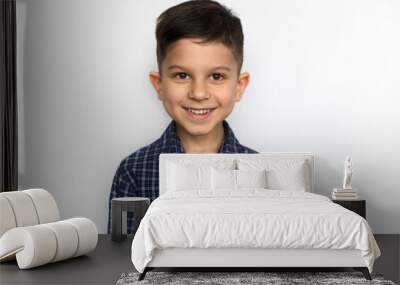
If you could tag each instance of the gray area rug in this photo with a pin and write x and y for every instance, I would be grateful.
(270, 278)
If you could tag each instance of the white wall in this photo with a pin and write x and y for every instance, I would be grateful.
(324, 78)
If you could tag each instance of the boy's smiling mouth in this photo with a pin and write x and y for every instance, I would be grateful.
(198, 114)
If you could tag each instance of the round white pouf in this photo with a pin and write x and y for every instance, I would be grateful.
(33, 245)
(45, 205)
(23, 208)
(40, 244)
(87, 232)
(67, 239)
(7, 216)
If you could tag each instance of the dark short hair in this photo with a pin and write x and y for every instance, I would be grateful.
(204, 19)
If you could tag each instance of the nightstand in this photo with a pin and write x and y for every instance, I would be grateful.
(357, 206)
(119, 208)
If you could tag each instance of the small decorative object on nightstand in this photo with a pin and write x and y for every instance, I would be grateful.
(119, 208)
(344, 194)
(347, 196)
(348, 173)
(347, 192)
(357, 206)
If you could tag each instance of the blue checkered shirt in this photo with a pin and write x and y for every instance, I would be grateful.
(137, 174)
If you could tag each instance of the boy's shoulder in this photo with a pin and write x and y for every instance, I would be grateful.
(146, 157)
(142, 158)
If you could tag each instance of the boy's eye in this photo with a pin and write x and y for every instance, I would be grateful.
(180, 75)
(217, 76)
(184, 75)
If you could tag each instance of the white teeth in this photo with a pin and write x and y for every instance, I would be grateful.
(199, 112)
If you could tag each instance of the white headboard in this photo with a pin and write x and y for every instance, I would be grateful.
(164, 157)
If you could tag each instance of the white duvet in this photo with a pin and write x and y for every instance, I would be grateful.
(250, 218)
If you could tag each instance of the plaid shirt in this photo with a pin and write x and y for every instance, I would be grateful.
(137, 174)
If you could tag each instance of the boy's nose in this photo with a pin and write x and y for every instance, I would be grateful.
(198, 90)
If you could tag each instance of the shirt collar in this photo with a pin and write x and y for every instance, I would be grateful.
(172, 143)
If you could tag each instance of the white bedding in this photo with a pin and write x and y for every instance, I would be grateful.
(250, 218)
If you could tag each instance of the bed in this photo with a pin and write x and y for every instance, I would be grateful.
(247, 210)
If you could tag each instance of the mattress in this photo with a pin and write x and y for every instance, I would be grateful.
(250, 218)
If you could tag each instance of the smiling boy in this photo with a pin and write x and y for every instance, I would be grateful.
(199, 80)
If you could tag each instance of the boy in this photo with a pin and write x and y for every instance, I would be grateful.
(199, 56)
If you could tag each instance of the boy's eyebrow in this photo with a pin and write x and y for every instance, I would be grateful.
(214, 68)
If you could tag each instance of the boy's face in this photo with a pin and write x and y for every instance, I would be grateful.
(199, 76)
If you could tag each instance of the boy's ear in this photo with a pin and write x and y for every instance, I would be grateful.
(155, 79)
(242, 83)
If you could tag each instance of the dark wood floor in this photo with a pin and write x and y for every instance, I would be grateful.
(389, 262)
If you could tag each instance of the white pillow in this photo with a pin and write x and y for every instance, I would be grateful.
(223, 179)
(282, 174)
(236, 179)
(251, 178)
(287, 179)
(183, 177)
